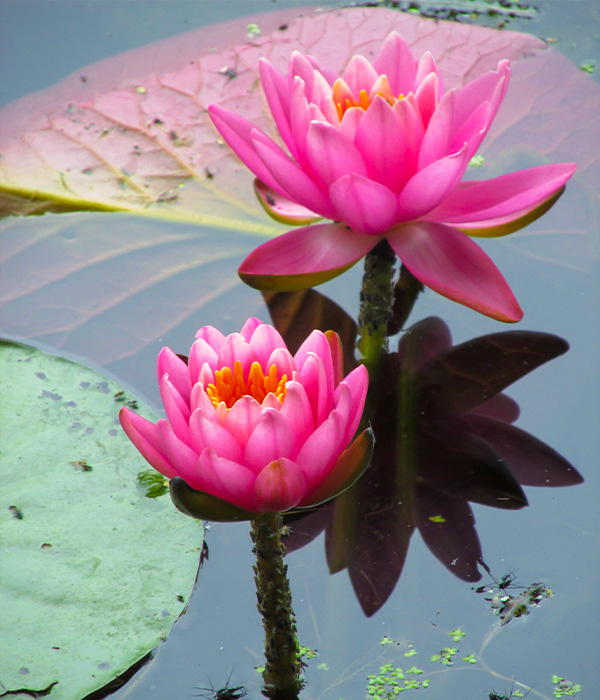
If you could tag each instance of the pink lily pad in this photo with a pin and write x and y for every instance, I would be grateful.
(136, 136)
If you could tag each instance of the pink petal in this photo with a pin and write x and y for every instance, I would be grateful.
(144, 435)
(320, 452)
(337, 356)
(236, 349)
(350, 120)
(201, 401)
(264, 341)
(384, 153)
(179, 454)
(436, 140)
(296, 184)
(298, 411)
(272, 439)
(212, 336)
(277, 92)
(509, 195)
(237, 132)
(279, 487)
(211, 434)
(489, 87)
(426, 97)
(473, 130)
(321, 97)
(304, 257)
(283, 209)
(453, 265)
(317, 344)
(178, 371)
(396, 61)
(359, 75)
(365, 205)
(200, 353)
(425, 67)
(225, 479)
(331, 153)
(300, 66)
(242, 419)
(299, 120)
(271, 401)
(314, 380)
(249, 328)
(177, 411)
(284, 362)
(358, 383)
(430, 186)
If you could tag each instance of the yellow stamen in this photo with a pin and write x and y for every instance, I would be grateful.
(230, 386)
(343, 104)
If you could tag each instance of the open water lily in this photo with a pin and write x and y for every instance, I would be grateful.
(383, 150)
(252, 428)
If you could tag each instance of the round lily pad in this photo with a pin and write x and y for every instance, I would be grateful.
(93, 574)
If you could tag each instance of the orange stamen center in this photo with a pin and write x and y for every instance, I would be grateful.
(230, 386)
(343, 102)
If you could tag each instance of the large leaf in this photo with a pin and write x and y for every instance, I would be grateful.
(135, 134)
(92, 573)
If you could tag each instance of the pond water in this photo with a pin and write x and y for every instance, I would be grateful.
(554, 540)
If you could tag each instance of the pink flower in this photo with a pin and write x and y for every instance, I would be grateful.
(383, 150)
(251, 425)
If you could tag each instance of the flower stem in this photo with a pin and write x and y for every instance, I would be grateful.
(282, 654)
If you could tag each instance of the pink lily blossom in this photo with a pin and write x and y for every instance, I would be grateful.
(254, 428)
(383, 150)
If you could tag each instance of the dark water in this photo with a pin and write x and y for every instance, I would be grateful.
(554, 540)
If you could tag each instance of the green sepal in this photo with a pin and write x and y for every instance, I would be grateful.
(204, 506)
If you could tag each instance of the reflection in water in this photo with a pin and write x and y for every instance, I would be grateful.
(445, 437)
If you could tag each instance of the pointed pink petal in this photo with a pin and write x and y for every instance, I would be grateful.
(279, 487)
(317, 344)
(314, 381)
(249, 328)
(452, 264)
(396, 61)
(368, 207)
(505, 197)
(489, 87)
(277, 91)
(321, 97)
(180, 455)
(384, 153)
(473, 130)
(272, 439)
(427, 97)
(201, 352)
(200, 400)
(337, 356)
(236, 349)
(212, 336)
(425, 67)
(436, 140)
(144, 435)
(271, 401)
(225, 479)
(298, 411)
(211, 434)
(350, 120)
(295, 183)
(359, 75)
(178, 412)
(237, 133)
(283, 209)
(300, 66)
(242, 419)
(331, 153)
(299, 120)
(304, 257)
(322, 449)
(264, 341)
(430, 186)
(282, 358)
(358, 383)
(178, 371)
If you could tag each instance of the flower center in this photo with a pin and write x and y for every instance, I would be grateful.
(343, 98)
(230, 386)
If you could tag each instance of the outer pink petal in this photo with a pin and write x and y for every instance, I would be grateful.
(211, 434)
(314, 381)
(200, 353)
(396, 61)
(337, 356)
(297, 409)
(358, 383)
(250, 327)
(179, 454)
(322, 449)
(332, 154)
(430, 186)
(482, 89)
(264, 341)
(297, 185)
(425, 67)
(379, 140)
(236, 349)
(144, 435)
(212, 336)
(177, 411)
(368, 207)
(359, 75)
(242, 419)
(317, 344)
(178, 371)
(453, 265)
(473, 130)
(436, 140)
(225, 479)
(304, 257)
(279, 486)
(283, 209)
(509, 195)
(272, 439)
(277, 91)
(236, 130)
(427, 97)
(300, 66)
(200, 401)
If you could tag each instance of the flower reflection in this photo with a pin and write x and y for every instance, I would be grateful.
(445, 438)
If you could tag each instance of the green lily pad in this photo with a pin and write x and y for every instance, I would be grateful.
(92, 573)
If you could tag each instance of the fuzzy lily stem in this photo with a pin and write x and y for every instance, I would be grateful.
(282, 654)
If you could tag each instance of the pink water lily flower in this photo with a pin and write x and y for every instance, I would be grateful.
(383, 150)
(254, 428)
